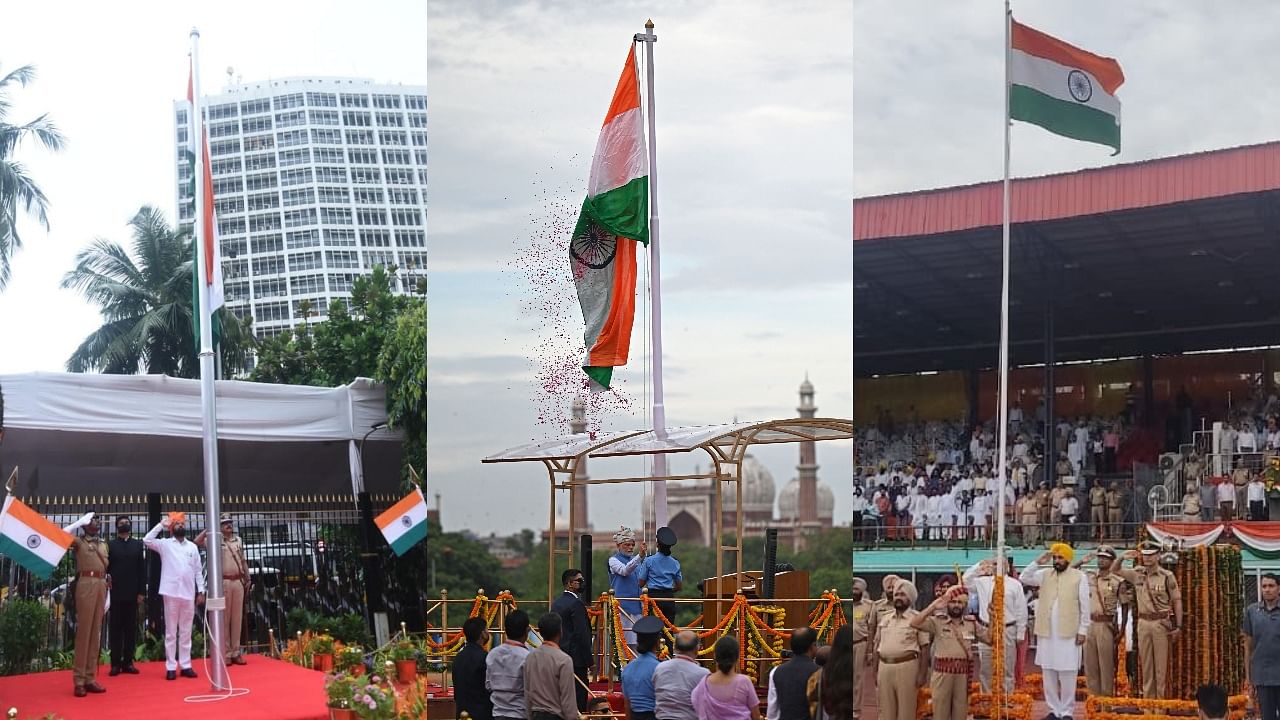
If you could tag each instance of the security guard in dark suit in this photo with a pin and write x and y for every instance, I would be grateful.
(128, 589)
(575, 638)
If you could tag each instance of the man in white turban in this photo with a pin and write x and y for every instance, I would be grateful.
(626, 573)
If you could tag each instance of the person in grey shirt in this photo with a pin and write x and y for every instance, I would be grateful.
(504, 669)
(1261, 630)
(675, 679)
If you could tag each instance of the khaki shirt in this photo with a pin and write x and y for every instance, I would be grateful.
(1104, 593)
(1028, 508)
(1154, 588)
(863, 614)
(1113, 499)
(952, 639)
(895, 637)
(233, 558)
(883, 606)
(1097, 496)
(91, 554)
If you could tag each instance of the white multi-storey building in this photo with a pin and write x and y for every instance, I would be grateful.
(315, 182)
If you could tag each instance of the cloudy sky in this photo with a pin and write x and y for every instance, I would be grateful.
(754, 115)
(108, 78)
(928, 77)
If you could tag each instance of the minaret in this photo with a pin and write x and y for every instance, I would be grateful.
(807, 470)
(578, 425)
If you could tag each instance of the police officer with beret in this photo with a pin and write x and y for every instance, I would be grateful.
(664, 575)
(637, 676)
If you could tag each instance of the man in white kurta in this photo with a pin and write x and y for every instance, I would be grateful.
(980, 580)
(918, 509)
(1062, 624)
(181, 587)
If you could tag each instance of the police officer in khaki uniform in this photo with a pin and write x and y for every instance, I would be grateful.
(1159, 618)
(1100, 643)
(864, 624)
(899, 671)
(951, 650)
(1029, 519)
(1115, 514)
(1098, 511)
(1043, 502)
(235, 585)
(92, 583)
(1055, 509)
(884, 606)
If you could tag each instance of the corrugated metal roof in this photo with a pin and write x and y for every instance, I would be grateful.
(1162, 181)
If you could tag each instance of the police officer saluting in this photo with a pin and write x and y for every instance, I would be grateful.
(92, 583)
(235, 584)
(128, 588)
(665, 579)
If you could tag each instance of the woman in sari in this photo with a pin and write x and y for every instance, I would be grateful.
(726, 694)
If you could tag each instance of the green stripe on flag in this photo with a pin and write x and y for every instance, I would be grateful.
(195, 299)
(20, 554)
(623, 211)
(1060, 117)
(415, 535)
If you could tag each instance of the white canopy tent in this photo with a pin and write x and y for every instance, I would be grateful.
(79, 434)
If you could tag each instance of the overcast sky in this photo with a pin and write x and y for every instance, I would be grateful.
(928, 78)
(754, 115)
(108, 77)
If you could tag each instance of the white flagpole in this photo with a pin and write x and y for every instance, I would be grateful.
(1002, 404)
(215, 603)
(655, 288)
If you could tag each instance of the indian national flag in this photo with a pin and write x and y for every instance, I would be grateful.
(1063, 89)
(615, 216)
(405, 523)
(30, 540)
(205, 231)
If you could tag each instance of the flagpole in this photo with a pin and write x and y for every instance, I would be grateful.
(1002, 404)
(655, 287)
(215, 604)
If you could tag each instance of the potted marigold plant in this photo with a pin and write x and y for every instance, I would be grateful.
(340, 688)
(350, 659)
(322, 653)
(405, 655)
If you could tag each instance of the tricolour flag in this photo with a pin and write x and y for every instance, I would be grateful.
(205, 230)
(615, 216)
(405, 523)
(1063, 89)
(30, 540)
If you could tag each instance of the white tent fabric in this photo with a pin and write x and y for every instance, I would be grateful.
(170, 407)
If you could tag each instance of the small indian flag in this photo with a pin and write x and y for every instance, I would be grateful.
(1063, 89)
(30, 540)
(405, 523)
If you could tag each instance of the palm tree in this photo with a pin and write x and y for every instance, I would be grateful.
(17, 189)
(146, 305)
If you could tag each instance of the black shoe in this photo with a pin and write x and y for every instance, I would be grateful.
(188, 672)
(129, 669)
(170, 675)
(114, 671)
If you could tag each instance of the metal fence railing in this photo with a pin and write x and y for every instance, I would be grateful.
(302, 551)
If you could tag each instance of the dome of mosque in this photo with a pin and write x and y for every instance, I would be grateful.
(788, 501)
(758, 488)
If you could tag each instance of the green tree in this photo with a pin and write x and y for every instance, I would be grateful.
(17, 188)
(145, 305)
(460, 565)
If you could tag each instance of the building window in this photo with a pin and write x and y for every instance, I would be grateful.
(415, 102)
(422, 178)
(362, 157)
(411, 238)
(335, 216)
(226, 129)
(257, 125)
(291, 137)
(259, 182)
(315, 99)
(406, 217)
(228, 205)
(302, 239)
(369, 216)
(396, 176)
(236, 291)
(271, 312)
(182, 136)
(387, 101)
(263, 161)
(420, 157)
(275, 287)
(342, 258)
(283, 102)
(298, 176)
(317, 308)
(404, 197)
(341, 282)
(334, 195)
(264, 223)
(326, 137)
(366, 176)
(224, 186)
(304, 261)
(224, 147)
(253, 107)
(370, 196)
(298, 218)
(291, 119)
(417, 120)
(352, 100)
(181, 117)
(235, 247)
(393, 137)
(222, 112)
(326, 174)
(300, 196)
(307, 284)
(264, 201)
(225, 167)
(375, 258)
(390, 120)
(413, 260)
(395, 157)
(270, 265)
(230, 226)
(329, 155)
(295, 157)
(266, 243)
(359, 137)
(419, 139)
(357, 119)
(339, 237)
(259, 143)
(323, 117)
(375, 238)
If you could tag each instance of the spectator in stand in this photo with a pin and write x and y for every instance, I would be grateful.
(1226, 499)
(1273, 435)
(1246, 440)
(859, 508)
(1191, 504)
(1257, 494)
(1208, 500)
(469, 672)
(1110, 446)
(1240, 478)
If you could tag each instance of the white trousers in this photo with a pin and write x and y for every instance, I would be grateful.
(178, 616)
(1060, 692)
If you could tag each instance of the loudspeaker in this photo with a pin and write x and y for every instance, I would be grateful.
(770, 563)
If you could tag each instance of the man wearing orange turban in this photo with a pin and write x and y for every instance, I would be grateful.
(181, 587)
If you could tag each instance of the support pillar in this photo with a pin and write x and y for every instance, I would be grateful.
(1149, 390)
(1050, 391)
(373, 583)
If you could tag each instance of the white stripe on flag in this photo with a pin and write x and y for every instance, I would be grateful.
(22, 534)
(403, 524)
(1050, 78)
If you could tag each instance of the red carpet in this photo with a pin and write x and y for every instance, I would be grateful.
(277, 691)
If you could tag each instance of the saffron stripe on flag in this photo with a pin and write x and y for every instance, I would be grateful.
(38, 523)
(402, 507)
(1034, 42)
(626, 95)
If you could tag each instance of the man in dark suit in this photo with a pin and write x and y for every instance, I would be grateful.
(576, 637)
(128, 588)
(469, 692)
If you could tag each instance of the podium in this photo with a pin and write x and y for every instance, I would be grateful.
(790, 589)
